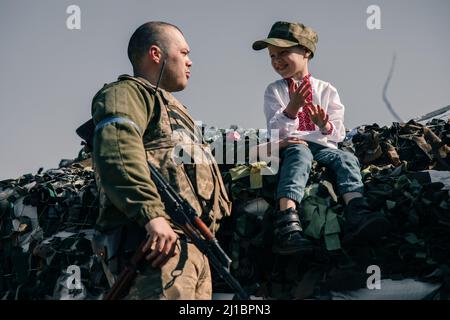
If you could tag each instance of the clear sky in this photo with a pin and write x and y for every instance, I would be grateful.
(49, 73)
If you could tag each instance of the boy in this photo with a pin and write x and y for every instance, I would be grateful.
(310, 109)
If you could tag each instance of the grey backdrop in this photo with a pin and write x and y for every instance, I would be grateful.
(49, 74)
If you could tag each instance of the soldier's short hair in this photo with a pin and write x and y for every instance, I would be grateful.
(148, 34)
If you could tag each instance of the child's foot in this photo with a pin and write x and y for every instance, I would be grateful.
(288, 236)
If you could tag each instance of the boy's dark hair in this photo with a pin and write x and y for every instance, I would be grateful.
(148, 34)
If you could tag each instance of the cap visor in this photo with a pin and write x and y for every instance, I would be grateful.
(261, 44)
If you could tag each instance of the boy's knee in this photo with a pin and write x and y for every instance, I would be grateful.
(349, 158)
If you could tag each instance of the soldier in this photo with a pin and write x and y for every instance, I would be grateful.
(136, 120)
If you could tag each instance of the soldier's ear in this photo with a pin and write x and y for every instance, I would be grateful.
(155, 53)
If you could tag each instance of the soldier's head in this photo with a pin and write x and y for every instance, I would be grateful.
(151, 44)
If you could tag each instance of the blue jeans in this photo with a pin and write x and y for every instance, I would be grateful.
(296, 161)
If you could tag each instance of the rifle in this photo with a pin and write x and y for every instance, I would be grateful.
(184, 216)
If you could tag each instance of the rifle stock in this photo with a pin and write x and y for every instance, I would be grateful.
(126, 276)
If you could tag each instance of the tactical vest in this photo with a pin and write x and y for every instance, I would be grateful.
(172, 133)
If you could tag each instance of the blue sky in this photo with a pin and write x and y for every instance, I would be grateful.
(49, 73)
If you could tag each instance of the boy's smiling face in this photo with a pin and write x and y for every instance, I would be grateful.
(289, 62)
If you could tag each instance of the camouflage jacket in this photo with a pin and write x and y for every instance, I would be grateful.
(135, 124)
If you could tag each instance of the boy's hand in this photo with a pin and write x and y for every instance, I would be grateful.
(318, 115)
(298, 96)
(283, 143)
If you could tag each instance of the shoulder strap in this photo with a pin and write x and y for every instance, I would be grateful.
(87, 129)
(147, 86)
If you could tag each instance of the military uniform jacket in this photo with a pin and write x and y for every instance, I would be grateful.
(135, 124)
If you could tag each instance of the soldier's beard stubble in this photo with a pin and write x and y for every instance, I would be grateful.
(173, 81)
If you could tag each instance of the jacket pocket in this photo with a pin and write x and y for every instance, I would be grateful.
(204, 181)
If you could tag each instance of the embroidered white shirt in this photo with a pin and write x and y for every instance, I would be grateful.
(276, 99)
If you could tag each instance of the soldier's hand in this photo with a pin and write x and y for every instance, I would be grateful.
(162, 241)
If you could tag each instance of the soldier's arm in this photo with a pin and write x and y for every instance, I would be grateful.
(121, 114)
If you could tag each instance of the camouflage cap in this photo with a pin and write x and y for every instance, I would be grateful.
(288, 34)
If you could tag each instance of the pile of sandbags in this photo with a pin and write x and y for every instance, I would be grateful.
(47, 220)
(404, 170)
(46, 224)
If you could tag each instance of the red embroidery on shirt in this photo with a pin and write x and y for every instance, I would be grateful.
(304, 121)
